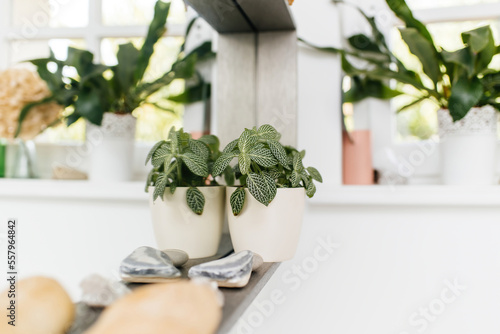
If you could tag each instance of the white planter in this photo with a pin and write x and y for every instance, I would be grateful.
(111, 148)
(272, 232)
(468, 147)
(176, 226)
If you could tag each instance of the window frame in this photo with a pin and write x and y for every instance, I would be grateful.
(93, 33)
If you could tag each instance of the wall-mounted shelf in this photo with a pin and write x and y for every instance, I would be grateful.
(245, 16)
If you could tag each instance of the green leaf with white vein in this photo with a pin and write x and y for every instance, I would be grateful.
(259, 188)
(268, 132)
(271, 186)
(297, 162)
(311, 190)
(295, 179)
(195, 163)
(245, 162)
(247, 140)
(222, 162)
(195, 200)
(161, 183)
(279, 152)
(237, 200)
(199, 148)
(263, 157)
(230, 147)
(315, 174)
(153, 150)
(163, 155)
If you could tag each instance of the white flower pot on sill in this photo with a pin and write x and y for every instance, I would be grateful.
(272, 232)
(468, 147)
(176, 226)
(111, 148)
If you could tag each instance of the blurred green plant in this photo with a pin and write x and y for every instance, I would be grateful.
(454, 80)
(93, 89)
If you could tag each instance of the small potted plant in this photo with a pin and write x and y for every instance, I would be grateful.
(462, 84)
(265, 210)
(187, 205)
(106, 96)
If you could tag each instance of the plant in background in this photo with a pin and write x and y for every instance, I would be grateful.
(181, 161)
(454, 80)
(93, 89)
(264, 165)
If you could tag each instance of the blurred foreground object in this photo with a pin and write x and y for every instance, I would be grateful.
(290, 2)
(42, 307)
(20, 87)
(172, 308)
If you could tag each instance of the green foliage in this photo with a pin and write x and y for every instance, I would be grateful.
(195, 200)
(459, 80)
(263, 166)
(181, 161)
(237, 200)
(96, 89)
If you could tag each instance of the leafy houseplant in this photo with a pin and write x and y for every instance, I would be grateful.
(264, 165)
(462, 83)
(106, 96)
(94, 89)
(454, 80)
(265, 210)
(187, 204)
(181, 161)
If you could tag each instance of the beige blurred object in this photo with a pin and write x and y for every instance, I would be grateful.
(20, 86)
(181, 307)
(42, 307)
(61, 172)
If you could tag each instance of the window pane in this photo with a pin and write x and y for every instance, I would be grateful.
(31, 49)
(423, 4)
(420, 122)
(33, 14)
(133, 12)
(153, 123)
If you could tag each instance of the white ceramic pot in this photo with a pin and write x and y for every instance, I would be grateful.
(176, 226)
(468, 147)
(272, 232)
(111, 148)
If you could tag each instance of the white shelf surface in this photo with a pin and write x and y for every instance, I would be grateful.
(74, 190)
(408, 195)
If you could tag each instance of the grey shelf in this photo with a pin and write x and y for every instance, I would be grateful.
(236, 301)
(245, 16)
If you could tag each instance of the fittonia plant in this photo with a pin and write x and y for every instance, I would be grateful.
(264, 165)
(181, 161)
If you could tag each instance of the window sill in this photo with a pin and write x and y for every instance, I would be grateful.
(73, 190)
(408, 195)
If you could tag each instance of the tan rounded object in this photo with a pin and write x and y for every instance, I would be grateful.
(181, 307)
(42, 307)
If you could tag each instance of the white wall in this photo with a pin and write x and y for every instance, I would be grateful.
(389, 263)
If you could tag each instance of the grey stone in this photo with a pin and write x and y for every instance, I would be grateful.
(85, 317)
(148, 265)
(178, 257)
(101, 292)
(233, 271)
(257, 261)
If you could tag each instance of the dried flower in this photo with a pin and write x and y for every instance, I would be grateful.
(19, 86)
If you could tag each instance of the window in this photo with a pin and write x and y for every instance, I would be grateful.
(29, 28)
